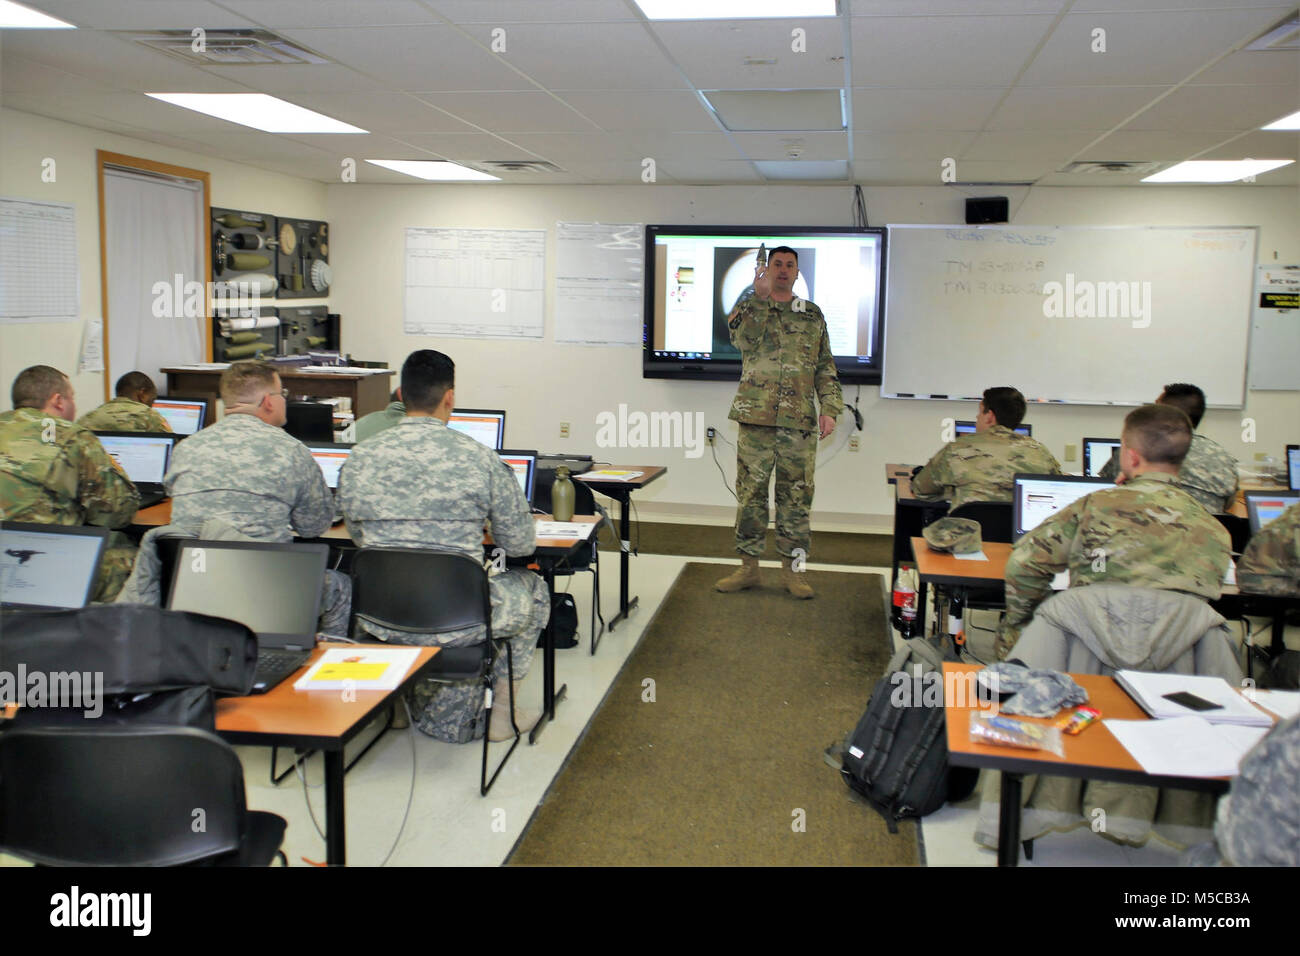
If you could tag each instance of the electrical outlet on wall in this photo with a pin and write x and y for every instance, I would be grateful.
(1071, 452)
(854, 444)
(564, 429)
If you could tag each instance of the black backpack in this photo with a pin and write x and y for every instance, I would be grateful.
(897, 756)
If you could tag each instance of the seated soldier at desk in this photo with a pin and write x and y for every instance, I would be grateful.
(53, 471)
(421, 485)
(1146, 532)
(131, 411)
(1271, 562)
(983, 466)
(372, 424)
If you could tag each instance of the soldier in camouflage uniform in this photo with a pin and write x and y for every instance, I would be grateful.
(375, 422)
(53, 471)
(1208, 473)
(1147, 532)
(786, 359)
(131, 411)
(1271, 562)
(983, 466)
(420, 484)
(246, 477)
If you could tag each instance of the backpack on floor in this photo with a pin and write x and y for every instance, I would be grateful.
(897, 756)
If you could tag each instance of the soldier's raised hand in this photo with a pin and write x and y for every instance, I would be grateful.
(762, 284)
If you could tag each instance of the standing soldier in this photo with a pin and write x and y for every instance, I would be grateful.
(131, 411)
(53, 471)
(786, 355)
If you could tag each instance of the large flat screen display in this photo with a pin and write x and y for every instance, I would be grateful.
(695, 275)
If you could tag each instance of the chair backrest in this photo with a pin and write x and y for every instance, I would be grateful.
(422, 591)
(116, 796)
(1238, 530)
(994, 518)
(310, 421)
(584, 502)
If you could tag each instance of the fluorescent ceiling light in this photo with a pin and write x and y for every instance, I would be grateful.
(267, 113)
(438, 170)
(14, 16)
(1215, 170)
(735, 9)
(1286, 122)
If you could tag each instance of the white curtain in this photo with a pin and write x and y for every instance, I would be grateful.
(153, 232)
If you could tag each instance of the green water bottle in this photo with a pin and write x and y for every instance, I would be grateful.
(562, 495)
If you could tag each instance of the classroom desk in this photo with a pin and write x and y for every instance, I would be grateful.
(1094, 754)
(315, 720)
(621, 491)
(369, 393)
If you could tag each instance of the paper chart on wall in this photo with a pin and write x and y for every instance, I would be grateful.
(599, 267)
(38, 261)
(475, 283)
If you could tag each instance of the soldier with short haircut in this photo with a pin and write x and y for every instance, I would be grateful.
(1146, 532)
(131, 411)
(1208, 473)
(374, 423)
(786, 361)
(983, 466)
(1271, 562)
(53, 471)
(420, 484)
(245, 477)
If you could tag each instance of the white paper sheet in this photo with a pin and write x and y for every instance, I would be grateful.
(1184, 746)
(599, 269)
(397, 660)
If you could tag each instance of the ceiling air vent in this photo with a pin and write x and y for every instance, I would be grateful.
(521, 165)
(1284, 36)
(225, 47)
(1112, 168)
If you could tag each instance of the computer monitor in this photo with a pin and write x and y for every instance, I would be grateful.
(46, 566)
(524, 464)
(968, 428)
(272, 589)
(1097, 453)
(1293, 466)
(486, 425)
(142, 455)
(1038, 497)
(1263, 506)
(330, 456)
(184, 415)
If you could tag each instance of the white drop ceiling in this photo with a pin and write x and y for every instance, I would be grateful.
(1012, 90)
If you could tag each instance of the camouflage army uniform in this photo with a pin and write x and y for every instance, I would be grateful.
(1208, 474)
(786, 355)
(124, 415)
(1258, 822)
(260, 481)
(1146, 532)
(1271, 562)
(376, 422)
(69, 480)
(420, 484)
(983, 467)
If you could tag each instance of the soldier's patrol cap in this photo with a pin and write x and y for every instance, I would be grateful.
(958, 535)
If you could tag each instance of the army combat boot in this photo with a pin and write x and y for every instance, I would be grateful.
(499, 727)
(796, 582)
(746, 576)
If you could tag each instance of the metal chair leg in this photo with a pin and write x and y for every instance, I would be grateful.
(485, 784)
(595, 609)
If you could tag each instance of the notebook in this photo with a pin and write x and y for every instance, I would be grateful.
(47, 566)
(1148, 691)
(144, 457)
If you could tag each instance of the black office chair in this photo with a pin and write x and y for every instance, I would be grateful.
(310, 421)
(586, 557)
(129, 796)
(424, 593)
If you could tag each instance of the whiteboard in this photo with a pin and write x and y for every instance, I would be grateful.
(1094, 315)
(1275, 333)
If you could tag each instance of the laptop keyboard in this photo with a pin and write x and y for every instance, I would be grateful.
(275, 665)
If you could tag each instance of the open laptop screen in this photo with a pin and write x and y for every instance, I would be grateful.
(184, 415)
(142, 455)
(330, 457)
(1097, 453)
(1264, 506)
(273, 589)
(48, 566)
(524, 465)
(1038, 497)
(968, 428)
(485, 425)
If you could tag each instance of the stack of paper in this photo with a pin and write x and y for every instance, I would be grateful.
(612, 474)
(1186, 746)
(361, 668)
(1149, 691)
(1284, 703)
(578, 530)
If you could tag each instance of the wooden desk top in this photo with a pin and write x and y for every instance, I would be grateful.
(320, 715)
(649, 473)
(940, 567)
(894, 472)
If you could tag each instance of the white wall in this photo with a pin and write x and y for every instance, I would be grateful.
(26, 139)
(543, 384)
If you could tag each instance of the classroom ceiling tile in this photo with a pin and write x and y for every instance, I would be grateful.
(917, 110)
(1055, 147)
(927, 147)
(952, 8)
(1154, 145)
(677, 110)
(565, 148)
(916, 52)
(612, 173)
(1274, 144)
(1071, 107)
(19, 75)
(140, 14)
(109, 60)
(522, 111)
(463, 147)
(801, 146)
(1219, 107)
(1140, 49)
(382, 111)
(530, 11)
(1108, 6)
(1254, 66)
(277, 14)
(998, 171)
(757, 54)
(688, 171)
(288, 79)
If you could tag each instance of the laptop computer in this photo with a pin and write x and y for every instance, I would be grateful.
(274, 589)
(1097, 453)
(1263, 506)
(486, 425)
(968, 428)
(48, 566)
(184, 415)
(144, 457)
(1293, 466)
(330, 456)
(1038, 497)
(524, 464)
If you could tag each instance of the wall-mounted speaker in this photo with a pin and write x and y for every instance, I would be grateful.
(986, 209)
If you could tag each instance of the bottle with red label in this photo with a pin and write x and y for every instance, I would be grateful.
(905, 604)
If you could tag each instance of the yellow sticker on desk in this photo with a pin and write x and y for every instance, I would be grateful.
(349, 670)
